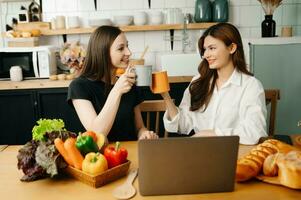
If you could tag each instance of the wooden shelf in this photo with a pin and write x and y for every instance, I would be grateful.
(132, 28)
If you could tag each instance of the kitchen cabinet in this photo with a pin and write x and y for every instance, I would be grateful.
(52, 104)
(20, 109)
(18, 113)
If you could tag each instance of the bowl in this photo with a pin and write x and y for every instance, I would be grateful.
(99, 22)
(123, 20)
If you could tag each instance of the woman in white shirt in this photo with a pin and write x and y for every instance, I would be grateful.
(225, 98)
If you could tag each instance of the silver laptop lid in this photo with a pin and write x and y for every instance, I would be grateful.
(187, 165)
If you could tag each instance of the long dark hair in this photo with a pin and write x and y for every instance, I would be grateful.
(201, 89)
(97, 64)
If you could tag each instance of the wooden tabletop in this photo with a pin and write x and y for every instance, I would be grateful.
(67, 188)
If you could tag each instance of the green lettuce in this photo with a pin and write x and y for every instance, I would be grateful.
(46, 125)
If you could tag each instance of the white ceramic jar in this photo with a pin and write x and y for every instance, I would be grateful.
(140, 18)
(60, 22)
(156, 17)
(15, 73)
(73, 22)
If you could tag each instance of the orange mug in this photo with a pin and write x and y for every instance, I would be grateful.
(119, 71)
(160, 82)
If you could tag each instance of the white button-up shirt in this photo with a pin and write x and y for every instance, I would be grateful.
(237, 108)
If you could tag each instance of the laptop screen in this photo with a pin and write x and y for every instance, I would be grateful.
(187, 165)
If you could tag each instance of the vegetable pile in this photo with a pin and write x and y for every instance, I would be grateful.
(53, 148)
(39, 158)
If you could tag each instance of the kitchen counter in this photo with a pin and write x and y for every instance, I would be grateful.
(46, 83)
(2, 147)
(68, 188)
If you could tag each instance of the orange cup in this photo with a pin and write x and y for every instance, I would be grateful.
(119, 71)
(160, 82)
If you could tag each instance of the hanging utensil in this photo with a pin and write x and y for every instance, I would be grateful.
(95, 4)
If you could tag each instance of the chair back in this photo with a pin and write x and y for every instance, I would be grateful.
(271, 97)
(153, 106)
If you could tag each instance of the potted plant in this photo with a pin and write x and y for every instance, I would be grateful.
(73, 55)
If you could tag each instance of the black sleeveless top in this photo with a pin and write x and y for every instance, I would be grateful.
(123, 128)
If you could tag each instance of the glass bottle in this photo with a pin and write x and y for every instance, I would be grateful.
(220, 10)
(268, 26)
(203, 11)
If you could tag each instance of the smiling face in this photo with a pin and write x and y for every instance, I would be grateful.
(217, 54)
(119, 52)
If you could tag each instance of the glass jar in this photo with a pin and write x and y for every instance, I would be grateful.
(220, 10)
(203, 11)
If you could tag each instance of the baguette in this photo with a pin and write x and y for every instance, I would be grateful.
(251, 164)
(270, 167)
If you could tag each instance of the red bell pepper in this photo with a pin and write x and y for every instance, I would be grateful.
(115, 155)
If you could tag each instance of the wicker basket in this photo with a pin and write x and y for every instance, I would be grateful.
(100, 179)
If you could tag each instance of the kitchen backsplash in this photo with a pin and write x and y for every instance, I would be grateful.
(247, 15)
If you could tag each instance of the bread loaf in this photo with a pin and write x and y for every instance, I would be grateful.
(270, 167)
(289, 173)
(251, 164)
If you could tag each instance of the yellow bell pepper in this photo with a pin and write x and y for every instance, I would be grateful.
(94, 163)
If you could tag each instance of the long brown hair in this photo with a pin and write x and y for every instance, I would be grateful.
(201, 89)
(97, 64)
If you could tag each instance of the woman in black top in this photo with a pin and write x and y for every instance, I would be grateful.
(103, 103)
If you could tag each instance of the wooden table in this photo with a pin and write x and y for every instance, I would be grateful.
(66, 188)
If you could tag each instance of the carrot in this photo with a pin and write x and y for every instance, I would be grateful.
(73, 153)
(59, 145)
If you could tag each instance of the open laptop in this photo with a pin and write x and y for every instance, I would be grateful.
(187, 165)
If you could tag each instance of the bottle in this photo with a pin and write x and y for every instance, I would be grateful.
(203, 11)
(220, 10)
(268, 26)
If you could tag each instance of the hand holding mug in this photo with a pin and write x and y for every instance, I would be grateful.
(125, 81)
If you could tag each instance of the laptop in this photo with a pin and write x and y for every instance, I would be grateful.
(187, 165)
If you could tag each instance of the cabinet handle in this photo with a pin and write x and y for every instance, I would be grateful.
(35, 103)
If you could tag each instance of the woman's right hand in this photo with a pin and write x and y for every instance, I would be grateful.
(125, 81)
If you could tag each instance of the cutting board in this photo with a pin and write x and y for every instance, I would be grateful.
(269, 179)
